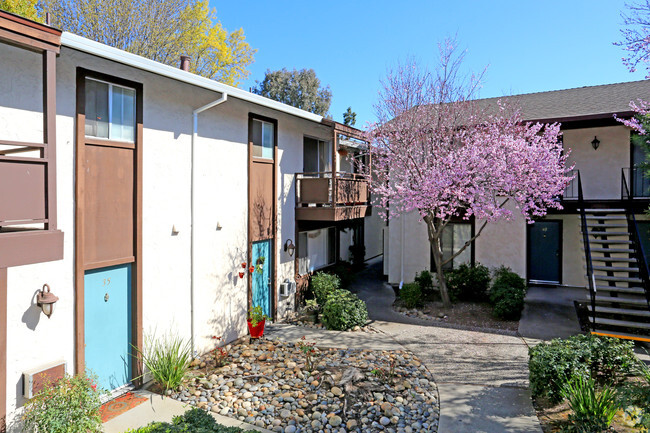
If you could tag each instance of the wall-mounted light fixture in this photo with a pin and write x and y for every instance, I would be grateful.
(595, 143)
(46, 300)
(289, 247)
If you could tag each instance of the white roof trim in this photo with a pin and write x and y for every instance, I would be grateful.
(80, 43)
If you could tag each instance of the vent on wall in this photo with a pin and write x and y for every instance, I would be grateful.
(35, 379)
(286, 287)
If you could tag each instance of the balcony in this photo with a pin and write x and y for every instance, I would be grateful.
(637, 180)
(323, 197)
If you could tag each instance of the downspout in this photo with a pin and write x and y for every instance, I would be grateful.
(195, 123)
(401, 261)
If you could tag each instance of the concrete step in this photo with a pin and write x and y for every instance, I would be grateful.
(618, 279)
(622, 323)
(627, 290)
(606, 217)
(621, 300)
(614, 269)
(611, 250)
(606, 225)
(588, 211)
(612, 259)
(622, 311)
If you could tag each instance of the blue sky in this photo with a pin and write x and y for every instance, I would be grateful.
(528, 46)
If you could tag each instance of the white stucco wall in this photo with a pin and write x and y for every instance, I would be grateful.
(220, 200)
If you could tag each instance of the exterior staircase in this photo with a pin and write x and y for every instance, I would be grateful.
(619, 299)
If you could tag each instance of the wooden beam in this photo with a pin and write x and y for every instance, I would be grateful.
(49, 133)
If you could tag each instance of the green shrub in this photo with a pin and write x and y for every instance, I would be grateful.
(507, 294)
(344, 310)
(69, 405)
(635, 396)
(593, 411)
(344, 271)
(425, 280)
(411, 295)
(553, 364)
(322, 285)
(167, 359)
(468, 283)
(194, 420)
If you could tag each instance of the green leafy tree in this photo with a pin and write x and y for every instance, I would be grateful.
(161, 31)
(349, 117)
(300, 89)
(25, 8)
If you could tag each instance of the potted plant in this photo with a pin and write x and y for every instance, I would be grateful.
(256, 320)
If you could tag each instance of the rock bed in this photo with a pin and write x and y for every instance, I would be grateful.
(301, 320)
(419, 314)
(267, 384)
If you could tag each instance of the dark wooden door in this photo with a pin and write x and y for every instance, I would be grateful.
(545, 252)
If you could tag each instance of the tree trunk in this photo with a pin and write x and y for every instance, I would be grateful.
(436, 251)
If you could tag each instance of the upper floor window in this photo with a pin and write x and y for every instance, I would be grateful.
(263, 139)
(110, 111)
(317, 156)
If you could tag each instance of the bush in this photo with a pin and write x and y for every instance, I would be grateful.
(344, 310)
(425, 280)
(635, 396)
(167, 359)
(322, 285)
(194, 420)
(559, 361)
(68, 405)
(411, 295)
(507, 294)
(344, 271)
(468, 283)
(593, 411)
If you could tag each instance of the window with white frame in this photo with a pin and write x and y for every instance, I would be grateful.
(316, 249)
(263, 137)
(110, 111)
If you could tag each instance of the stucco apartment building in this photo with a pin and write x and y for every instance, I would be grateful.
(140, 195)
(551, 252)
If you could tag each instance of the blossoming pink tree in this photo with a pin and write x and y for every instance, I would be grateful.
(439, 152)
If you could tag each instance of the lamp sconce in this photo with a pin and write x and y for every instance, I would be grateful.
(595, 143)
(46, 300)
(289, 247)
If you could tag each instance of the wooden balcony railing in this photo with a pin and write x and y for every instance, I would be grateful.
(321, 196)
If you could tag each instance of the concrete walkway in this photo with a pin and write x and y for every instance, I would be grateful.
(482, 377)
(162, 409)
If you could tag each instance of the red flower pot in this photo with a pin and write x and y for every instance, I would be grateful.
(256, 331)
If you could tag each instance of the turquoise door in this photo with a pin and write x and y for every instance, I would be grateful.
(107, 302)
(262, 261)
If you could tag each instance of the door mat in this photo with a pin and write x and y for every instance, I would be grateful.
(118, 406)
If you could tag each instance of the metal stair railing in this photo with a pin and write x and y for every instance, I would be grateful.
(585, 238)
(633, 228)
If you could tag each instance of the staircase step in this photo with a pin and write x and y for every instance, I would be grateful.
(593, 233)
(622, 311)
(618, 279)
(612, 259)
(603, 210)
(622, 335)
(607, 225)
(606, 217)
(609, 241)
(611, 250)
(621, 300)
(614, 289)
(622, 323)
(614, 269)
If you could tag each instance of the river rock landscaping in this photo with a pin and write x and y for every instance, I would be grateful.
(269, 384)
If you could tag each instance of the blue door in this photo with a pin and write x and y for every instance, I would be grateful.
(262, 261)
(107, 302)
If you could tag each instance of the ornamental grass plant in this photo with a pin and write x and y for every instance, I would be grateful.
(593, 411)
(167, 359)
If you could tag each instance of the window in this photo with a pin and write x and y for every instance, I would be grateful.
(317, 156)
(316, 249)
(263, 139)
(110, 111)
(454, 237)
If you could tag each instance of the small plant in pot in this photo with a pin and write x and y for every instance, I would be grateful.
(256, 320)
